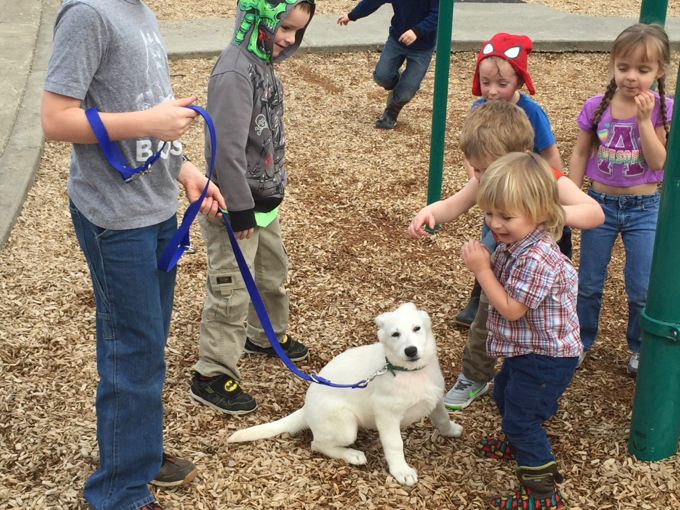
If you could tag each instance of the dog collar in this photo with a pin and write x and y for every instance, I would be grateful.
(394, 368)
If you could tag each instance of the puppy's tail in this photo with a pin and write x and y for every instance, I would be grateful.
(291, 424)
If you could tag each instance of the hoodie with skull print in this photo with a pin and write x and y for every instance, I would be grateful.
(245, 101)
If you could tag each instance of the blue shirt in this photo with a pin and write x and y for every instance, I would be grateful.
(543, 135)
(421, 16)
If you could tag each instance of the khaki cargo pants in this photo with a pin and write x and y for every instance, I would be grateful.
(477, 365)
(228, 316)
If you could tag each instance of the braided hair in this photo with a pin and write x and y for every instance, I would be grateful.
(654, 40)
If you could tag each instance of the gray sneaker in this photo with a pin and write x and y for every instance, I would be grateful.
(633, 363)
(464, 392)
(174, 471)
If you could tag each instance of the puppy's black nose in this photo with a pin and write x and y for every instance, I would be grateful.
(411, 351)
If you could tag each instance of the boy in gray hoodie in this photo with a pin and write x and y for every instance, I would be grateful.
(245, 99)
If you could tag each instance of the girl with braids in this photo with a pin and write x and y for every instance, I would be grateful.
(621, 148)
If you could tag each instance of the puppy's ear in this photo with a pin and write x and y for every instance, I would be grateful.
(408, 307)
(380, 320)
(426, 318)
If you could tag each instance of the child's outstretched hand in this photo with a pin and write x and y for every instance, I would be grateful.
(408, 37)
(476, 256)
(343, 19)
(423, 218)
(645, 105)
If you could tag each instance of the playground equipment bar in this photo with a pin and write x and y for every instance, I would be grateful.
(655, 426)
(653, 11)
(439, 102)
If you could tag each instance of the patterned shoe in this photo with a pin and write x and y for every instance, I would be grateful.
(497, 449)
(523, 499)
(221, 392)
(295, 350)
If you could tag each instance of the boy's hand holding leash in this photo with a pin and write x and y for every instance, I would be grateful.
(168, 121)
(193, 182)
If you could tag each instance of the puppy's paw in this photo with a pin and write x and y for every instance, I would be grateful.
(454, 430)
(405, 475)
(355, 456)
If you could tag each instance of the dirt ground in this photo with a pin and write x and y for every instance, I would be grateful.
(187, 9)
(351, 194)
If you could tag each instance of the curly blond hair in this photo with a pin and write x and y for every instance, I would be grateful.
(522, 183)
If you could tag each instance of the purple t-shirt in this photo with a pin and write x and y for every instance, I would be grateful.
(619, 160)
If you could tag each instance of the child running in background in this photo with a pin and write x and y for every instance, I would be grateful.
(492, 130)
(500, 73)
(413, 34)
(532, 323)
(621, 147)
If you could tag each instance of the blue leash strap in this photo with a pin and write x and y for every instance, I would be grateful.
(112, 152)
(266, 323)
(180, 241)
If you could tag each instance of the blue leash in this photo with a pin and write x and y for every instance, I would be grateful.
(180, 241)
(112, 152)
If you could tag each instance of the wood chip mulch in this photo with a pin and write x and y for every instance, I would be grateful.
(352, 192)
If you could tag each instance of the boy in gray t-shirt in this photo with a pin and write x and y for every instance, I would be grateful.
(110, 55)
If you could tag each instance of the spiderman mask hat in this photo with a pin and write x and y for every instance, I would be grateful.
(514, 49)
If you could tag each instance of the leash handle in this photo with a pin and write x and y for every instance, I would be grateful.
(112, 152)
(179, 243)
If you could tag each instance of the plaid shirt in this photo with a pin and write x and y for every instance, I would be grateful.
(535, 273)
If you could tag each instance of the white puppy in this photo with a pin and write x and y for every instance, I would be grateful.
(412, 386)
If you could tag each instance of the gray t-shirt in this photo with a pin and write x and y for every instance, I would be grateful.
(110, 54)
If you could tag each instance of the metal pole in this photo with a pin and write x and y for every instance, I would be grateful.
(655, 425)
(653, 11)
(441, 89)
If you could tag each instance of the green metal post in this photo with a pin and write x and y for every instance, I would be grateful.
(441, 90)
(655, 425)
(653, 11)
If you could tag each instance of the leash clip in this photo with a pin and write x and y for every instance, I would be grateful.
(370, 379)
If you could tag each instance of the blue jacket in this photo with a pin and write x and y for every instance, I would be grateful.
(418, 15)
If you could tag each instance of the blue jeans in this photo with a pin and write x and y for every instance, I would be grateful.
(634, 217)
(133, 306)
(387, 75)
(526, 391)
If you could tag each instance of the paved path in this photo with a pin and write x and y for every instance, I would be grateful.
(26, 34)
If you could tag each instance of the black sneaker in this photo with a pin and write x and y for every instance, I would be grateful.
(295, 350)
(174, 471)
(223, 393)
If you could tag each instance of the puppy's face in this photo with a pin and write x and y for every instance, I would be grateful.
(406, 335)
